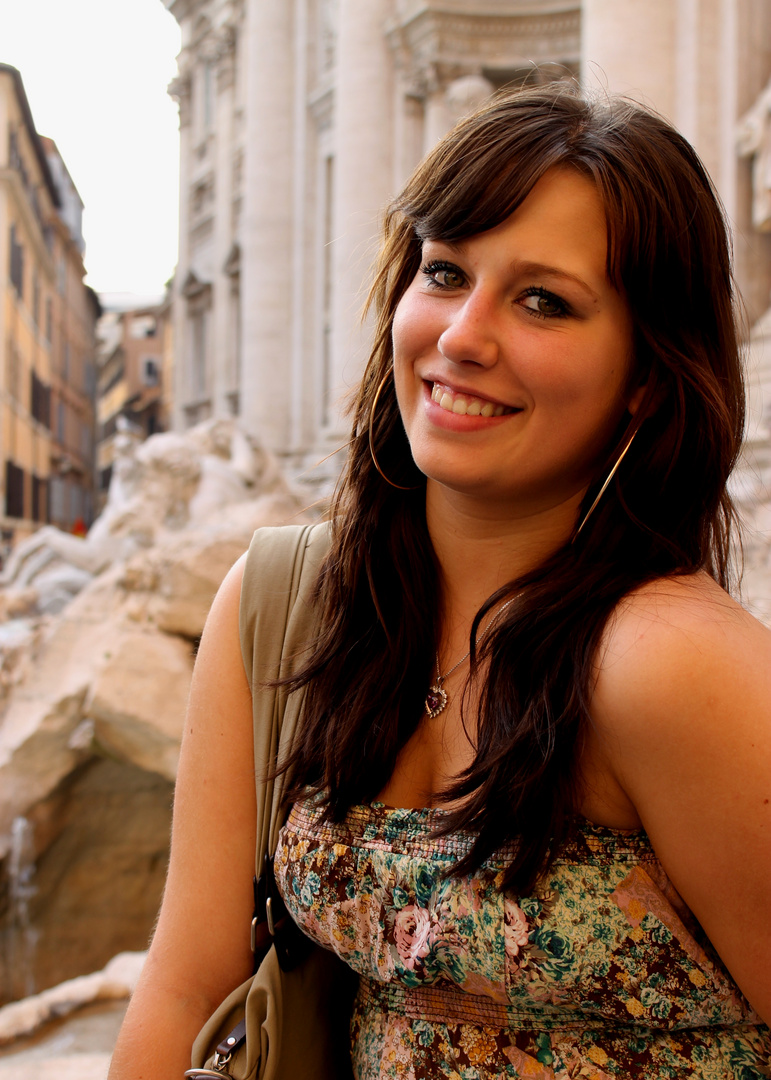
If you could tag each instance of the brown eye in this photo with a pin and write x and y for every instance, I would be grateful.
(451, 279)
(543, 304)
(444, 275)
(547, 306)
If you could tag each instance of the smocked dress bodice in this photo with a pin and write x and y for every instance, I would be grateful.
(602, 972)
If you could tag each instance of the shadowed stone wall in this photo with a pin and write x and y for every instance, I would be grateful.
(99, 881)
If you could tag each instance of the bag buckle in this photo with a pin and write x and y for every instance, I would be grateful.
(290, 943)
(222, 1055)
(268, 908)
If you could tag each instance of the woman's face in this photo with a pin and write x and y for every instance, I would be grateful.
(513, 352)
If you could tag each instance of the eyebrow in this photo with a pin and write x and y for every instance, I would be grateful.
(528, 267)
(553, 271)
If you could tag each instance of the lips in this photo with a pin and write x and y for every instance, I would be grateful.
(466, 404)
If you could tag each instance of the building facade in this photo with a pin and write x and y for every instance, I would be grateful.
(132, 387)
(300, 119)
(73, 363)
(47, 318)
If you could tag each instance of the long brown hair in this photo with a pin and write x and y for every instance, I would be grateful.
(667, 512)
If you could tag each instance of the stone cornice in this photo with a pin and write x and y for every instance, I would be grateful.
(433, 46)
(407, 10)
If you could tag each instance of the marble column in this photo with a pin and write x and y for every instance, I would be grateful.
(676, 56)
(267, 226)
(181, 91)
(446, 105)
(629, 47)
(439, 117)
(363, 170)
(223, 238)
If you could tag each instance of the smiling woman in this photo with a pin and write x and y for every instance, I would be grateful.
(512, 374)
(528, 797)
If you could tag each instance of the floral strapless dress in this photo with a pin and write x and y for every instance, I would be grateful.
(602, 973)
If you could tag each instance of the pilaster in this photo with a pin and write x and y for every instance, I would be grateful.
(266, 270)
(363, 138)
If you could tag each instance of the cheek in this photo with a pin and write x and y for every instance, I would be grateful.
(585, 396)
(414, 328)
(596, 373)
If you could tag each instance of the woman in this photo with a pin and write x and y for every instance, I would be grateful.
(539, 667)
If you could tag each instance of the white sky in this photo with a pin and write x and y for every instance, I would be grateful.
(95, 73)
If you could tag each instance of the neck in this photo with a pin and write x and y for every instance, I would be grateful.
(479, 550)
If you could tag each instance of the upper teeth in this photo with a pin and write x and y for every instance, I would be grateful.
(464, 404)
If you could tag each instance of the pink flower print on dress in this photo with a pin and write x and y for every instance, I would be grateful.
(413, 934)
(515, 930)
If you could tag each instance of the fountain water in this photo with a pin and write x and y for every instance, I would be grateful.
(21, 936)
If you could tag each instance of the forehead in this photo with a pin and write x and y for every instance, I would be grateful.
(561, 224)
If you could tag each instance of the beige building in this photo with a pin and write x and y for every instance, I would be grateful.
(47, 318)
(28, 202)
(75, 309)
(300, 119)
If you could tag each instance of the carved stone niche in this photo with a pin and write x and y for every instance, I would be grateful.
(217, 47)
(201, 196)
(435, 44)
(225, 59)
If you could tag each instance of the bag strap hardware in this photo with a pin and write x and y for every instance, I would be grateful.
(269, 914)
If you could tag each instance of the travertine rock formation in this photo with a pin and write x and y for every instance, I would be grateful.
(93, 697)
(67, 1032)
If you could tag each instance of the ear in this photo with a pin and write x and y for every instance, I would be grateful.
(636, 397)
(645, 388)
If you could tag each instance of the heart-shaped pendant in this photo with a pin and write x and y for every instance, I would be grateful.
(436, 699)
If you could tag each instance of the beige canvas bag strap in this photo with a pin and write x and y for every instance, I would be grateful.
(279, 1025)
(276, 624)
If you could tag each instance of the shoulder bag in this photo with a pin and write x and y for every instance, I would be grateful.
(289, 1021)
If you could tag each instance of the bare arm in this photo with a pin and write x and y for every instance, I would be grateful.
(683, 702)
(200, 950)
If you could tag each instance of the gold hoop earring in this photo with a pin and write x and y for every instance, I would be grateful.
(383, 381)
(604, 487)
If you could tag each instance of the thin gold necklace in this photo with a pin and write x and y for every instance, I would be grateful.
(436, 698)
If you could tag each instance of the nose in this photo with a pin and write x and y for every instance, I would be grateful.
(471, 335)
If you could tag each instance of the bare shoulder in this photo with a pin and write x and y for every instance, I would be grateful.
(683, 693)
(228, 597)
(684, 644)
(682, 710)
